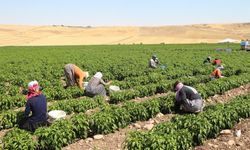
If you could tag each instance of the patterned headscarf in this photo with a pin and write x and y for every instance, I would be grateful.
(177, 89)
(33, 88)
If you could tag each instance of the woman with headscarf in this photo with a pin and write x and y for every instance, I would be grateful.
(74, 75)
(217, 73)
(37, 104)
(216, 62)
(187, 98)
(153, 62)
(96, 86)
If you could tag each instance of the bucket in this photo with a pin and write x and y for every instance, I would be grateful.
(162, 67)
(114, 88)
(56, 115)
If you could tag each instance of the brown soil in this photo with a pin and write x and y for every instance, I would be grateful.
(138, 99)
(229, 94)
(115, 141)
(230, 141)
(2, 133)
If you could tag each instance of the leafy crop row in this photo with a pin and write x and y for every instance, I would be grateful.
(9, 119)
(186, 131)
(165, 86)
(109, 119)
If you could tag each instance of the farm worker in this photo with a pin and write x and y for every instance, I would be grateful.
(96, 86)
(37, 104)
(242, 44)
(246, 45)
(207, 60)
(187, 98)
(74, 75)
(217, 73)
(216, 62)
(153, 62)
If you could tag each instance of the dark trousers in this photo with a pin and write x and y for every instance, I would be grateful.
(30, 125)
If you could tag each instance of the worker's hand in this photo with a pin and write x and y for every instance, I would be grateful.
(21, 90)
(109, 82)
(24, 92)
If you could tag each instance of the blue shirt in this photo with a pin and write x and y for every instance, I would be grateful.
(242, 43)
(38, 106)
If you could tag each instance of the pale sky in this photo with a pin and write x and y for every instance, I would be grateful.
(123, 12)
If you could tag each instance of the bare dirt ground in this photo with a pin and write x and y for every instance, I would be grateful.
(115, 141)
(70, 35)
(230, 141)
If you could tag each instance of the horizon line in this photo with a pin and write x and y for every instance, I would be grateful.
(93, 26)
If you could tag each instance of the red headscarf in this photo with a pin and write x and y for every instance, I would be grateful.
(33, 88)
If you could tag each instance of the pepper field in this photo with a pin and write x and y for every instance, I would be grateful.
(127, 67)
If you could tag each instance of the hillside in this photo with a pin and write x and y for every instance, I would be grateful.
(71, 35)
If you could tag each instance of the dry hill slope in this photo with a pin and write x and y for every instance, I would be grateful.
(58, 35)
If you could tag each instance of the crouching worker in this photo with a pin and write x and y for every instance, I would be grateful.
(216, 74)
(37, 104)
(96, 86)
(187, 98)
(74, 75)
(153, 62)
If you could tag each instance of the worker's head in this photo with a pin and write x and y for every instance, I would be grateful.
(86, 75)
(154, 56)
(177, 86)
(98, 75)
(220, 67)
(209, 58)
(33, 87)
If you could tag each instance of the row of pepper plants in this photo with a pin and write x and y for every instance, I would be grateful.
(186, 131)
(9, 119)
(164, 86)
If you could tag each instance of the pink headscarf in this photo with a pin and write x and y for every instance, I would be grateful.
(177, 89)
(33, 88)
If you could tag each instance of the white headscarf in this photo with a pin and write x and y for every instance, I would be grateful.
(98, 75)
(220, 67)
(33, 85)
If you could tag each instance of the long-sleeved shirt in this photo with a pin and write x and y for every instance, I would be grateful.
(38, 106)
(216, 73)
(94, 82)
(187, 92)
(79, 76)
(216, 62)
(246, 44)
(242, 43)
(152, 63)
